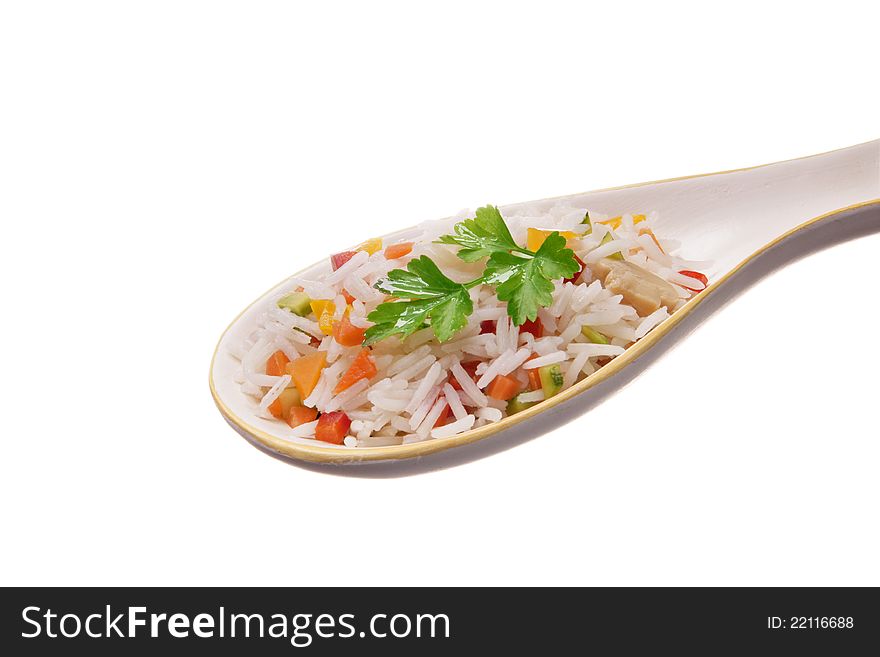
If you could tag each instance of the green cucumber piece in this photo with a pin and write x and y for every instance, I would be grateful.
(593, 335)
(613, 256)
(514, 406)
(551, 380)
(288, 398)
(296, 302)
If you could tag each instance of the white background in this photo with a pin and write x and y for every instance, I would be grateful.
(163, 163)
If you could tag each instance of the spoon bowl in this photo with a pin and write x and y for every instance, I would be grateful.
(738, 220)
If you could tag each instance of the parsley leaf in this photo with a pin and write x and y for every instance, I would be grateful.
(426, 297)
(429, 296)
(526, 283)
(482, 236)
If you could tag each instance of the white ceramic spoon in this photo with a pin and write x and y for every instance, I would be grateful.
(735, 219)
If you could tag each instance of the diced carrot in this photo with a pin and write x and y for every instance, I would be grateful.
(371, 246)
(697, 275)
(396, 251)
(503, 388)
(536, 328)
(332, 427)
(347, 334)
(363, 367)
(301, 415)
(275, 364)
(534, 375)
(574, 278)
(534, 379)
(615, 222)
(443, 418)
(339, 259)
(306, 370)
(536, 237)
(348, 298)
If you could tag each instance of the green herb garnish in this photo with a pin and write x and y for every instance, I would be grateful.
(526, 284)
(482, 236)
(429, 296)
(523, 278)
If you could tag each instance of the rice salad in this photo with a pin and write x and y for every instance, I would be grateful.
(460, 322)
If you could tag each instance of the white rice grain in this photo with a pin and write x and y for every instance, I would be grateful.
(262, 380)
(547, 345)
(650, 322)
(306, 430)
(340, 400)
(454, 401)
(622, 245)
(489, 413)
(416, 369)
(424, 408)
(493, 370)
(514, 361)
(433, 375)
(274, 392)
(685, 281)
(454, 428)
(532, 396)
(575, 368)
(550, 359)
(563, 298)
(594, 350)
(603, 317)
(387, 402)
(315, 289)
(360, 290)
(431, 418)
(340, 274)
(405, 361)
(468, 386)
(317, 393)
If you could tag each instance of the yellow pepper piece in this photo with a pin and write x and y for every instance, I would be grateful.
(326, 321)
(615, 222)
(324, 311)
(371, 246)
(537, 236)
(320, 305)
